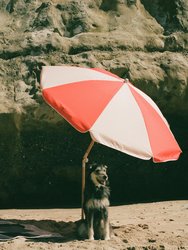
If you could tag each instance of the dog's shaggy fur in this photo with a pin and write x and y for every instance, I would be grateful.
(96, 203)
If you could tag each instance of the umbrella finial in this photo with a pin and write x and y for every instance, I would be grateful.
(126, 80)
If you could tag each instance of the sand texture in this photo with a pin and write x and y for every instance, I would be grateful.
(161, 225)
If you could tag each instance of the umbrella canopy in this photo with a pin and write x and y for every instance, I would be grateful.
(112, 110)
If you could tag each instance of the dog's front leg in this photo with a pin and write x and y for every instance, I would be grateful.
(107, 230)
(106, 226)
(90, 226)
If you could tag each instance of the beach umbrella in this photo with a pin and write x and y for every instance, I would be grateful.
(112, 110)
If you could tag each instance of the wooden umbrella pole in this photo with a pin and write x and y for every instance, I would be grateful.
(84, 161)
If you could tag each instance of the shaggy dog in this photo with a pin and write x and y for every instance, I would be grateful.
(96, 203)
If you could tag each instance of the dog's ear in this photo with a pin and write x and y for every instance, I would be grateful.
(92, 167)
(105, 167)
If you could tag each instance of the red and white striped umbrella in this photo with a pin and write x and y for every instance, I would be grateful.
(115, 113)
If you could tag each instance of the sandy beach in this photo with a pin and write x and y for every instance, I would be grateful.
(157, 225)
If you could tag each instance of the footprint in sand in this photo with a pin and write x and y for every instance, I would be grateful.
(144, 226)
(151, 240)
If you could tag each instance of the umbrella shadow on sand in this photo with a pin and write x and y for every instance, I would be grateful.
(41, 231)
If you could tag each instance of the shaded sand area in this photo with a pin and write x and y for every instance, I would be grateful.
(161, 225)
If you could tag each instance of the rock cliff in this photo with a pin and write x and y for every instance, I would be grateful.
(145, 41)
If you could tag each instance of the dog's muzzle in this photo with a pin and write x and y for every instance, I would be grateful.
(102, 179)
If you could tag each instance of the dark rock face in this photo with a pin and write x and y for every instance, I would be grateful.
(172, 15)
(41, 154)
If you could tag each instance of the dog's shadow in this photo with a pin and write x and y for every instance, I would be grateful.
(39, 230)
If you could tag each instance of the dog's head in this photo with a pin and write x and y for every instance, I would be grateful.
(98, 174)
